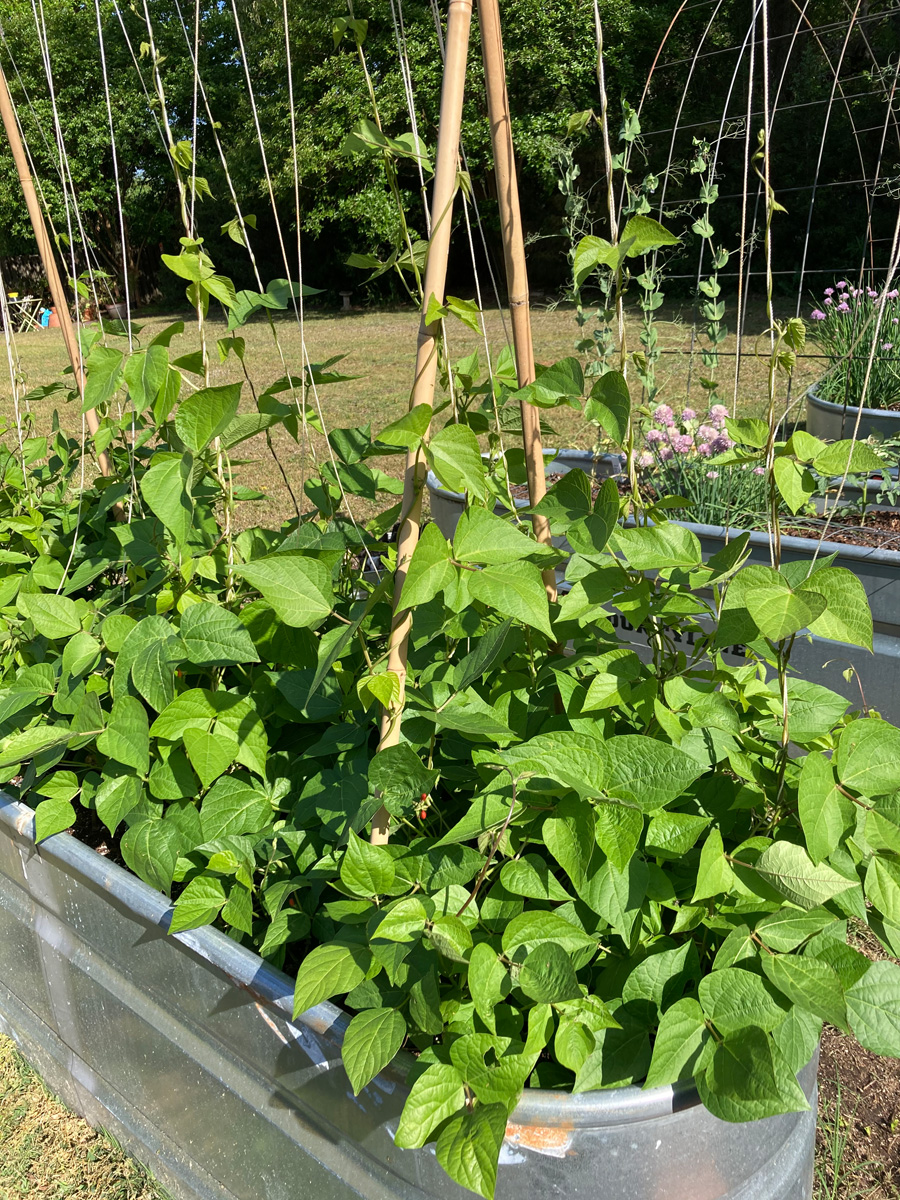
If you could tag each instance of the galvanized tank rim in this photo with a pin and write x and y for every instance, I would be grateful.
(247, 971)
(830, 406)
(758, 537)
(797, 545)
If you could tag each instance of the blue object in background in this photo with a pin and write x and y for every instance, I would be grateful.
(45, 317)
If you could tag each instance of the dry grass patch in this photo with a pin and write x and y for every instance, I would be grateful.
(47, 1152)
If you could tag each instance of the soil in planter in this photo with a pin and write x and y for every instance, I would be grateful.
(519, 491)
(91, 831)
(879, 529)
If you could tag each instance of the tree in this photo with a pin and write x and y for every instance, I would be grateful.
(344, 203)
(78, 99)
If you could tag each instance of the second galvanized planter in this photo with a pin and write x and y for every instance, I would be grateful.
(185, 1049)
(822, 661)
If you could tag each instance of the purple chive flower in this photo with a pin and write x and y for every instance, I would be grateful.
(828, 300)
(718, 414)
(759, 470)
(704, 450)
(665, 453)
(817, 315)
(893, 294)
(653, 437)
(705, 432)
(842, 283)
(682, 443)
(663, 415)
(894, 320)
(887, 345)
(843, 307)
(722, 443)
(712, 474)
(872, 293)
(645, 460)
(688, 414)
(829, 291)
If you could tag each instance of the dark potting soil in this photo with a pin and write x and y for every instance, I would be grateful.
(879, 529)
(91, 831)
(519, 491)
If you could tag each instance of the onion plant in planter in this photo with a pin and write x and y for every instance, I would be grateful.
(858, 396)
(600, 871)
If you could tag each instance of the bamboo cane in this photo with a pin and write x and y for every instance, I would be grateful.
(446, 173)
(514, 254)
(47, 257)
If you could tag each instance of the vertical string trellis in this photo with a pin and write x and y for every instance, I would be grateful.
(435, 12)
(35, 174)
(13, 127)
(12, 361)
(248, 244)
(133, 497)
(773, 111)
(297, 299)
(803, 30)
(468, 199)
(69, 191)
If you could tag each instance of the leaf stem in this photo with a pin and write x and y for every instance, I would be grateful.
(496, 842)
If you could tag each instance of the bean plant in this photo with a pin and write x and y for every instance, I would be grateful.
(603, 345)
(367, 139)
(858, 493)
(627, 843)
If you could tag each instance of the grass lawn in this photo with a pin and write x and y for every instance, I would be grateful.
(380, 349)
(47, 1153)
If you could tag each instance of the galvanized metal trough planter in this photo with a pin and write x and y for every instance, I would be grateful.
(832, 422)
(818, 659)
(184, 1048)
